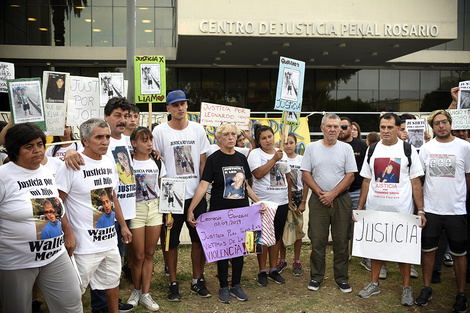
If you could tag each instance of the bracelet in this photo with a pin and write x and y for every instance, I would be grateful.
(304, 200)
(422, 212)
(452, 104)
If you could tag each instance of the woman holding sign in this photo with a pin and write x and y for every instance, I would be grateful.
(224, 169)
(269, 167)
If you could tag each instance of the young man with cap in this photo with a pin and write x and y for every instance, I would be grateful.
(183, 145)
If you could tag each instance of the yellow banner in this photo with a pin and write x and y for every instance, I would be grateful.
(301, 131)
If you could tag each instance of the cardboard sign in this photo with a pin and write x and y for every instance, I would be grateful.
(172, 195)
(460, 119)
(387, 236)
(291, 118)
(55, 89)
(415, 130)
(84, 100)
(464, 95)
(26, 104)
(215, 114)
(7, 71)
(111, 85)
(223, 233)
(290, 85)
(150, 78)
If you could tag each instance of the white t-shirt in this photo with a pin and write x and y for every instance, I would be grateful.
(53, 164)
(119, 154)
(128, 141)
(93, 228)
(273, 186)
(390, 186)
(328, 165)
(23, 194)
(61, 152)
(296, 173)
(147, 175)
(181, 150)
(445, 186)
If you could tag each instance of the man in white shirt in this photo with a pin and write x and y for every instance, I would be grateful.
(446, 162)
(183, 145)
(389, 159)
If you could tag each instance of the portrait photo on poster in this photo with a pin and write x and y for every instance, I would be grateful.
(102, 201)
(464, 100)
(55, 90)
(47, 213)
(290, 84)
(26, 101)
(172, 195)
(111, 85)
(150, 82)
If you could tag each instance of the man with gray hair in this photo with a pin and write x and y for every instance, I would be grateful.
(328, 168)
(94, 248)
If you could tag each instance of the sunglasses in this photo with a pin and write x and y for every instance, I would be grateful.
(344, 127)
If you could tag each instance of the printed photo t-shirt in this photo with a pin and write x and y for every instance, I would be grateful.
(147, 175)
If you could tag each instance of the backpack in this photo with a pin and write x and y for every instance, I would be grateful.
(406, 147)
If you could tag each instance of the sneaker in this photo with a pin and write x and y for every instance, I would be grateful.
(369, 291)
(280, 266)
(237, 291)
(436, 277)
(36, 306)
(174, 294)
(263, 279)
(200, 288)
(383, 273)
(344, 287)
(124, 307)
(460, 304)
(297, 269)
(313, 285)
(414, 272)
(274, 275)
(147, 301)
(224, 295)
(407, 296)
(366, 264)
(424, 296)
(448, 261)
(167, 271)
(134, 298)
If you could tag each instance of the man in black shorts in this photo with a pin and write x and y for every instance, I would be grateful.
(446, 161)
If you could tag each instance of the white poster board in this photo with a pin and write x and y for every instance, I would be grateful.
(464, 95)
(84, 100)
(387, 236)
(415, 130)
(460, 118)
(172, 195)
(55, 89)
(111, 85)
(215, 114)
(7, 71)
(290, 85)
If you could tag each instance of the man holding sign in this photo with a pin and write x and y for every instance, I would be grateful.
(446, 161)
(389, 157)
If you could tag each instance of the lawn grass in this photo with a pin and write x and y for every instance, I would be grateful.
(294, 295)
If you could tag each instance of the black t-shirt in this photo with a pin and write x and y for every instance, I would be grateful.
(360, 148)
(227, 173)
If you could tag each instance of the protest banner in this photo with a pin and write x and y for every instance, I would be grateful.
(7, 71)
(26, 103)
(290, 118)
(223, 233)
(387, 236)
(464, 95)
(111, 85)
(415, 130)
(84, 100)
(172, 195)
(55, 89)
(290, 85)
(150, 78)
(301, 131)
(215, 114)
(460, 119)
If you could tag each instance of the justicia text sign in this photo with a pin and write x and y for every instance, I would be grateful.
(290, 85)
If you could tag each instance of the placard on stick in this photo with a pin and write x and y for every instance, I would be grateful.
(150, 78)
(7, 71)
(26, 104)
(415, 130)
(215, 114)
(290, 85)
(173, 191)
(55, 90)
(464, 95)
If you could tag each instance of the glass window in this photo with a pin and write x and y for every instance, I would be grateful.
(145, 28)
(80, 29)
(347, 85)
(164, 18)
(164, 3)
(389, 84)
(102, 32)
(189, 78)
(236, 78)
(103, 3)
(369, 87)
(164, 38)
(212, 78)
(409, 90)
(119, 27)
(430, 81)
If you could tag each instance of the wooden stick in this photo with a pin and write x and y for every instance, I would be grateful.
(167, 238)
(283, 138)
(150, 116)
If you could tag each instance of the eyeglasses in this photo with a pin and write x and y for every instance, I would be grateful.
(444, 122)
(344, 127)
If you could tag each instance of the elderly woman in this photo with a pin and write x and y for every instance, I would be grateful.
(26, 189)
(222, 168)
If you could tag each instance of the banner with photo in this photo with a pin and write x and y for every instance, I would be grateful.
(111, 85)
(55, 89)
(26, 104)
(150, 78)
(464, 95)
(290, 85)
(7, 71)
